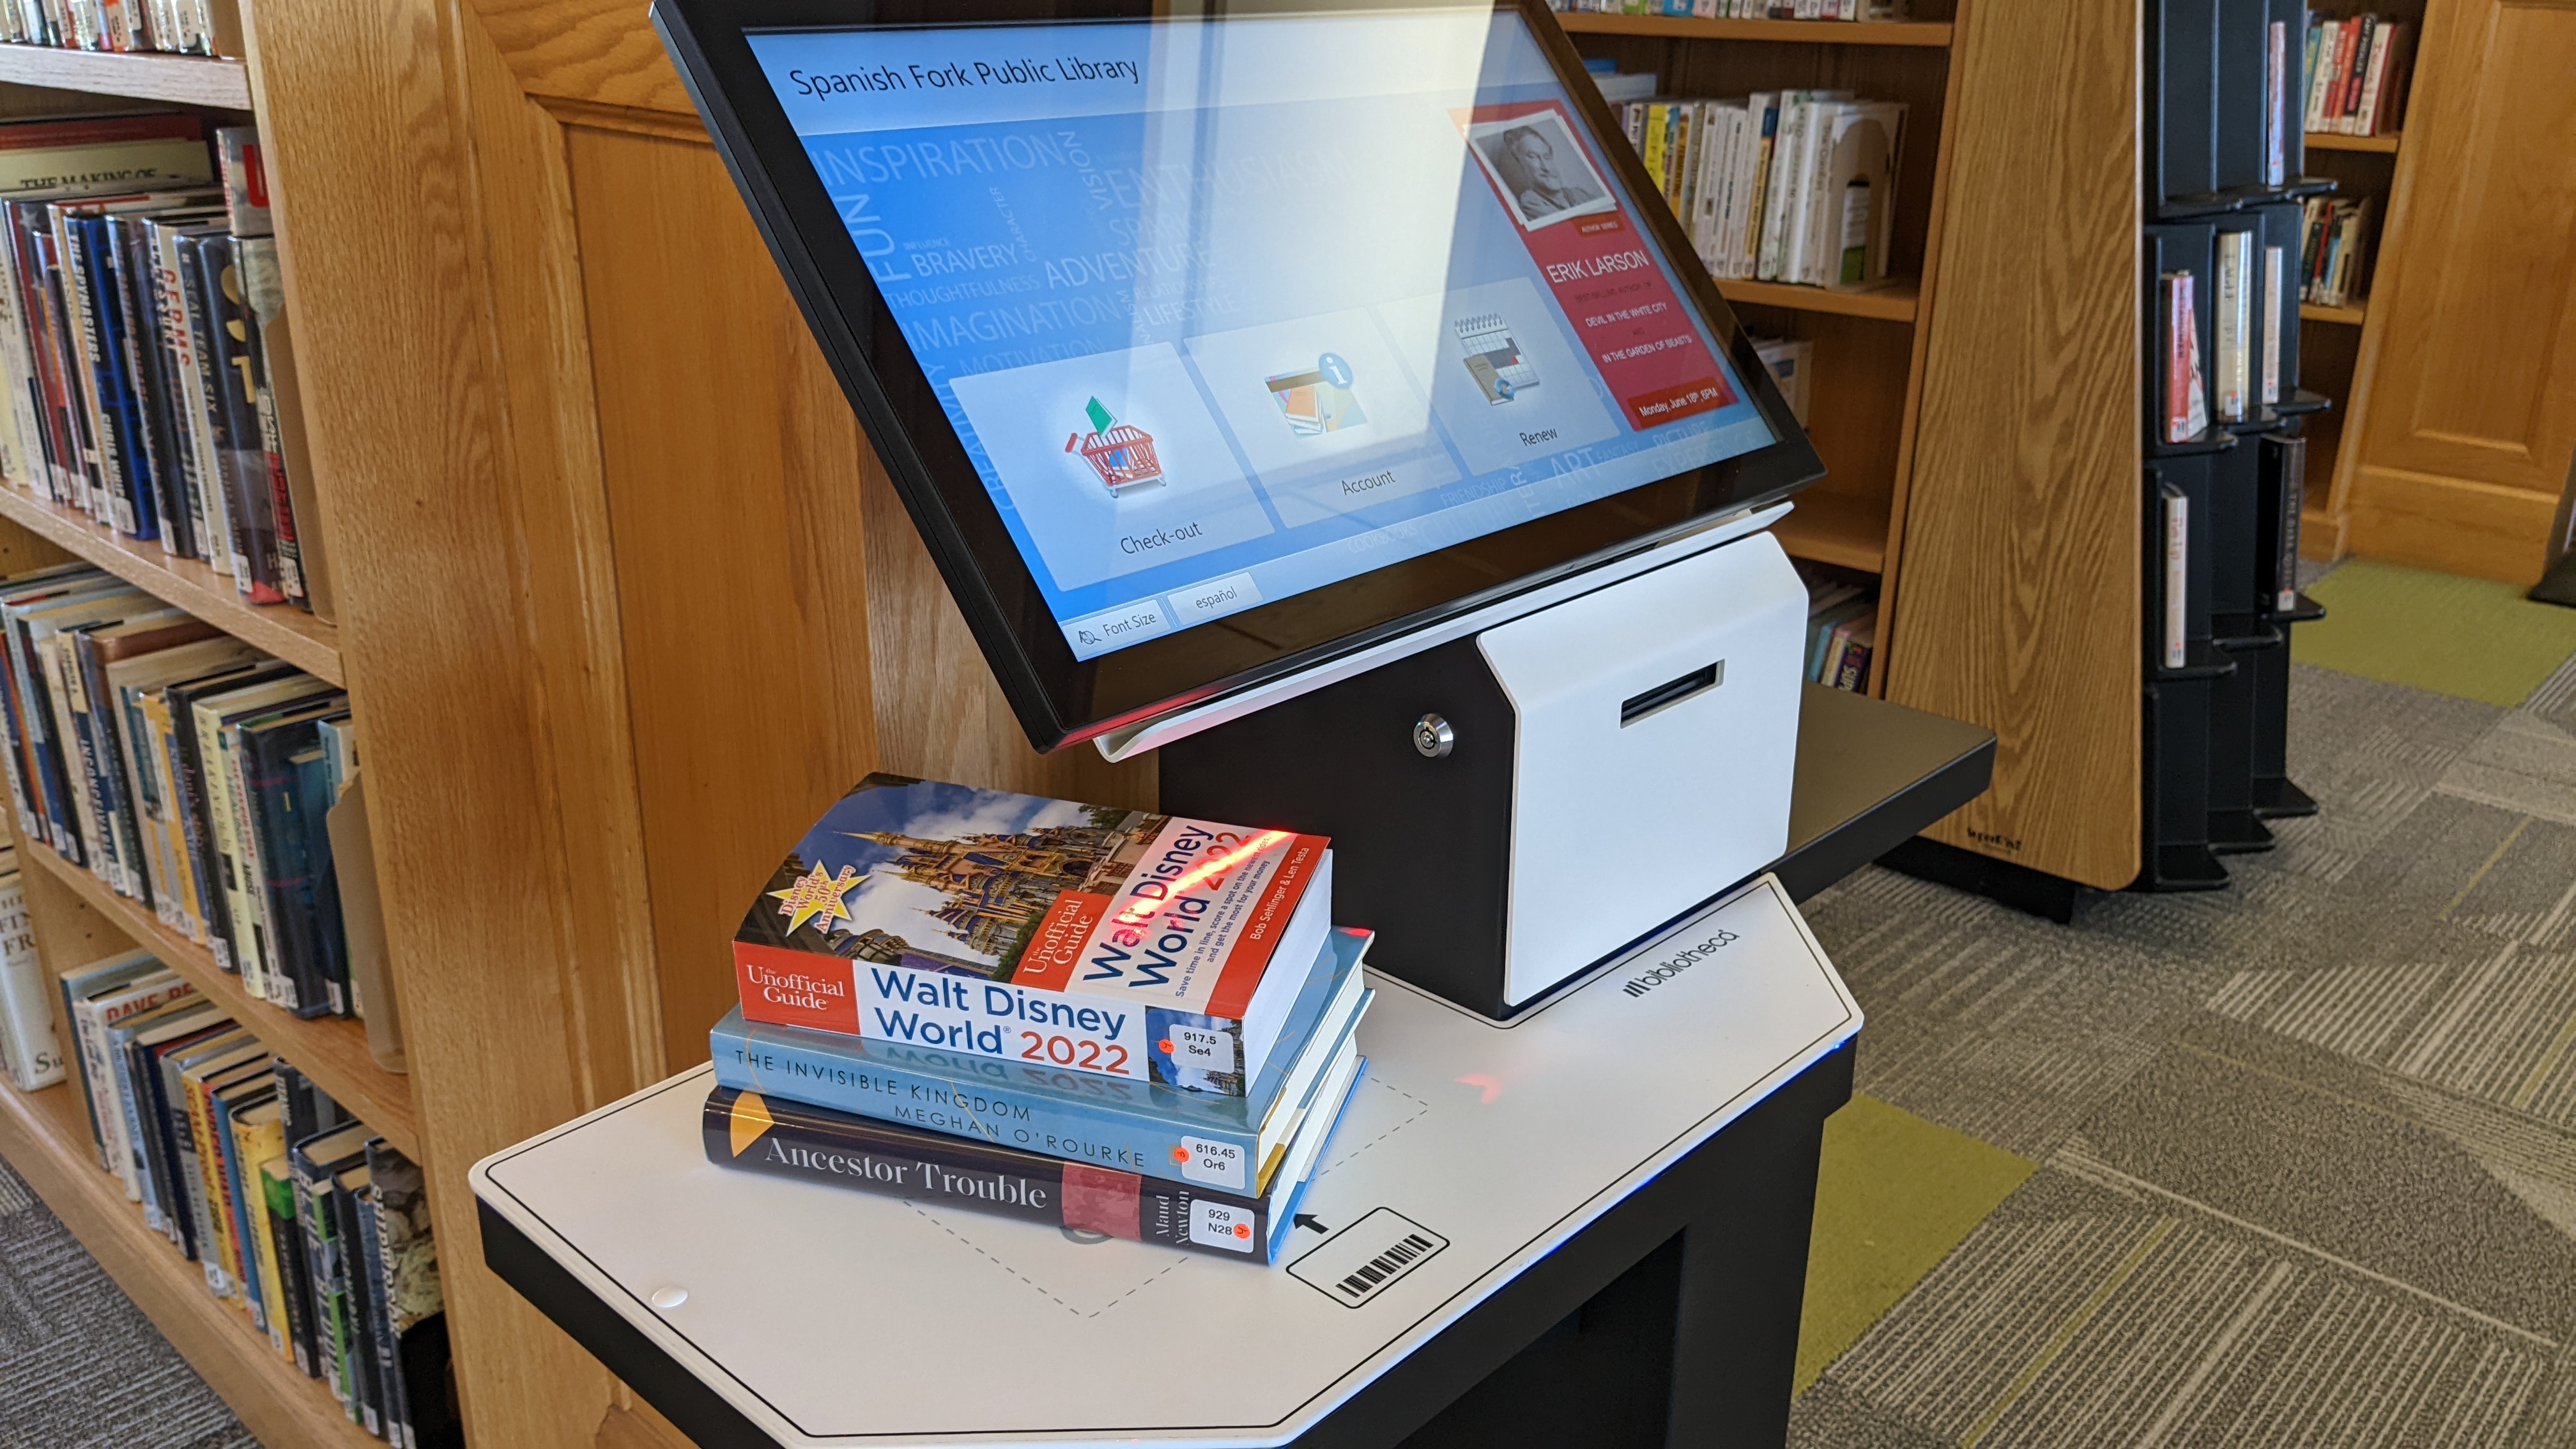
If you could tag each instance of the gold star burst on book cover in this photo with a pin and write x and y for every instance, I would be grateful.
(817, 894)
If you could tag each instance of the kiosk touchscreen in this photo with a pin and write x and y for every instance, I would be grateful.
(1207, 349)
(1325, 397)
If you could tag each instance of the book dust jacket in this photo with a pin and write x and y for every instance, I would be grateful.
(1095, 938)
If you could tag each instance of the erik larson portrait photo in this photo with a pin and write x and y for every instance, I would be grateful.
(1544, 173)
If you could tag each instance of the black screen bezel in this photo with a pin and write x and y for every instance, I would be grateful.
(1058, 699)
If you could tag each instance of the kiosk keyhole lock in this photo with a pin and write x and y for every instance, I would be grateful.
(1432, 737)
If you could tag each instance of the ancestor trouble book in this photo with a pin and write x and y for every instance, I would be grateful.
(1092, 938)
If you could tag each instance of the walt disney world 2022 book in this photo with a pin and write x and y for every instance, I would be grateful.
(1141, 946)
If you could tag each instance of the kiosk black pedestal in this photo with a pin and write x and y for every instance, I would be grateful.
(1586, 1291)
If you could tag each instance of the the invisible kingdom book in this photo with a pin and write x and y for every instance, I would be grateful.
(1086, 937)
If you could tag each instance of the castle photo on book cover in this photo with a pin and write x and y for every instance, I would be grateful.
(1140, 939)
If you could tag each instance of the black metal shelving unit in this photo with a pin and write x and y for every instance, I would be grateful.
(2217, 727)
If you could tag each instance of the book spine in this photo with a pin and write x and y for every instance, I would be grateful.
(221, 1261)
(2177, 521)
(66, 403)
(366, 1390)
(196, 819)
(2233, 313)
(254, 949)
(124, 471)
(322, 1267)
(2357, 65)
(854, 1152)
(2276, 102)
(204, 392)
(35, 1054)
(2365, 119)
(81, 364)
(149, 383)
(286, 885)
(71, 715)
(2285, 569)
(294, 1277)
(2176, 359)
(2312, 82)
(246, 482)
(380, 1332)
(2272, 324)
(231, 946)
(173, 1105)
(264, 298)
(975, 1099)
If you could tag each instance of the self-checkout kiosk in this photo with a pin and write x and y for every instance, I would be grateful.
(1326, 399)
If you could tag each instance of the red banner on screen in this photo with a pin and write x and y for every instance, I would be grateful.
(1638, 332)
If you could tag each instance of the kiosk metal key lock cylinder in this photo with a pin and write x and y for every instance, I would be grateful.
(1405, 485)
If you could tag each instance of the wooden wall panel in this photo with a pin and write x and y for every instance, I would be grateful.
(732, 474)
(2021, 608)
(2473, 414)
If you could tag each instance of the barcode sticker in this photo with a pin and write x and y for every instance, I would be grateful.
(1218, 1164)
(1363, 1260)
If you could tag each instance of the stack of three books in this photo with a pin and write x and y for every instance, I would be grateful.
(1113, 1022)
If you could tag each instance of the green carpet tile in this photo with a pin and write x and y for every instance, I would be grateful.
(2470, 637)
(2305, 1148)
(1896, 1193)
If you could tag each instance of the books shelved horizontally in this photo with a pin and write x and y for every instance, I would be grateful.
(1108, 1021)
(183, 27)
(188, 772)
(301, 1218)
(2356, 74)
(1743, 9)
(2336, 253)
(144, 346)
(1842, 628)
(1781, 186)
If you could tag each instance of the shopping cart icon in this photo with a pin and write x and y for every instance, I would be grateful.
(1121, 457)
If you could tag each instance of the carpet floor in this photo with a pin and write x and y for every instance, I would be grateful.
(79, 1364)
(2289, 1164)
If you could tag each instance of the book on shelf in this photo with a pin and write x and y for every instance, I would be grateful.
(187, 772)
(2338, 234)
(181, 27)
(749, 1132)
(301, 1218)
(1232, 1143)
(2185, 405)
(2174, 619)
(2276, 103)
(1793, 366)
(2356, 74)
(1790, 186)
(2233, 305)
(2275, 278)
(2284, 465)
(31, 1057)
(146, 348)
(1842, 629)
(1135, 945)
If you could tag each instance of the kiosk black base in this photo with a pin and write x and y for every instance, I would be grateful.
(1695, 1345)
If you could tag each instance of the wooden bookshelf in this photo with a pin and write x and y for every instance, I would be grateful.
(282, 629)
(1897, 300)
(2337, 141)
(188, 80)
(2350, 316)
(1837, 529)
(332, 1050)
(45, 1136)
(1798, 32)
